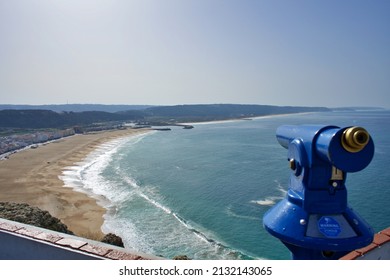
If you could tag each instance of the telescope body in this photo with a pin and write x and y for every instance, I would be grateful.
(314, 221)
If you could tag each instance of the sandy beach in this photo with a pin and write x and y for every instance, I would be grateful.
(32, 176)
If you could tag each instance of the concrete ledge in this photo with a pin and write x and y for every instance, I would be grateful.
(379, 249)
(25, 242)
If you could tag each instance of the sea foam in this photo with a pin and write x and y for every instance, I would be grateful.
(142, 229)
(272, 200)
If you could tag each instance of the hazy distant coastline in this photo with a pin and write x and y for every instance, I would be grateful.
(66, 116)
(25, 125)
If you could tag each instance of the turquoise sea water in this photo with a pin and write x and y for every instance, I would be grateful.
(203, 192)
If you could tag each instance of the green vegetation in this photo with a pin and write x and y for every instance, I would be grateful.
(197, 113)
(50, 119)
(158, 115)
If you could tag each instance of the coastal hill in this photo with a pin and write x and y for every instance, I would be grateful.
(212, 112)
(75, 107)
(36, 118)
(49, 119)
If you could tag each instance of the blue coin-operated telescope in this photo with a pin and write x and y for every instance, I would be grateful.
(314, 221)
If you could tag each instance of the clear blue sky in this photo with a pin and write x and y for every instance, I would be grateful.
(165, 52)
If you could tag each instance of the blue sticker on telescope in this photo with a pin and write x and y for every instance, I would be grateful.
(329, 226)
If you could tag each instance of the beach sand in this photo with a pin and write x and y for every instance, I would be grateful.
(32, 176)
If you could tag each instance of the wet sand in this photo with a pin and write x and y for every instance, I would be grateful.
(32, 176)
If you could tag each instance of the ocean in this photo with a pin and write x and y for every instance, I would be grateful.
(203, 192)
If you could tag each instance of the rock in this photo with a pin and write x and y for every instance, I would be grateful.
(26, 214)
(113, 239)
(188, 127)
(181, 257)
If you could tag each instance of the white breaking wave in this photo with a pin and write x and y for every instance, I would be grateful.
(85, 176)
(149, 230)
(190, 234)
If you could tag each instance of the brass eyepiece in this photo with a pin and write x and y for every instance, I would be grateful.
(354, 139)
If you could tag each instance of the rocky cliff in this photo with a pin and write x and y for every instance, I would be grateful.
(24, 213)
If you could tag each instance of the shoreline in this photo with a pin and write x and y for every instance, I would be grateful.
(32, 176)
(244, 119)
